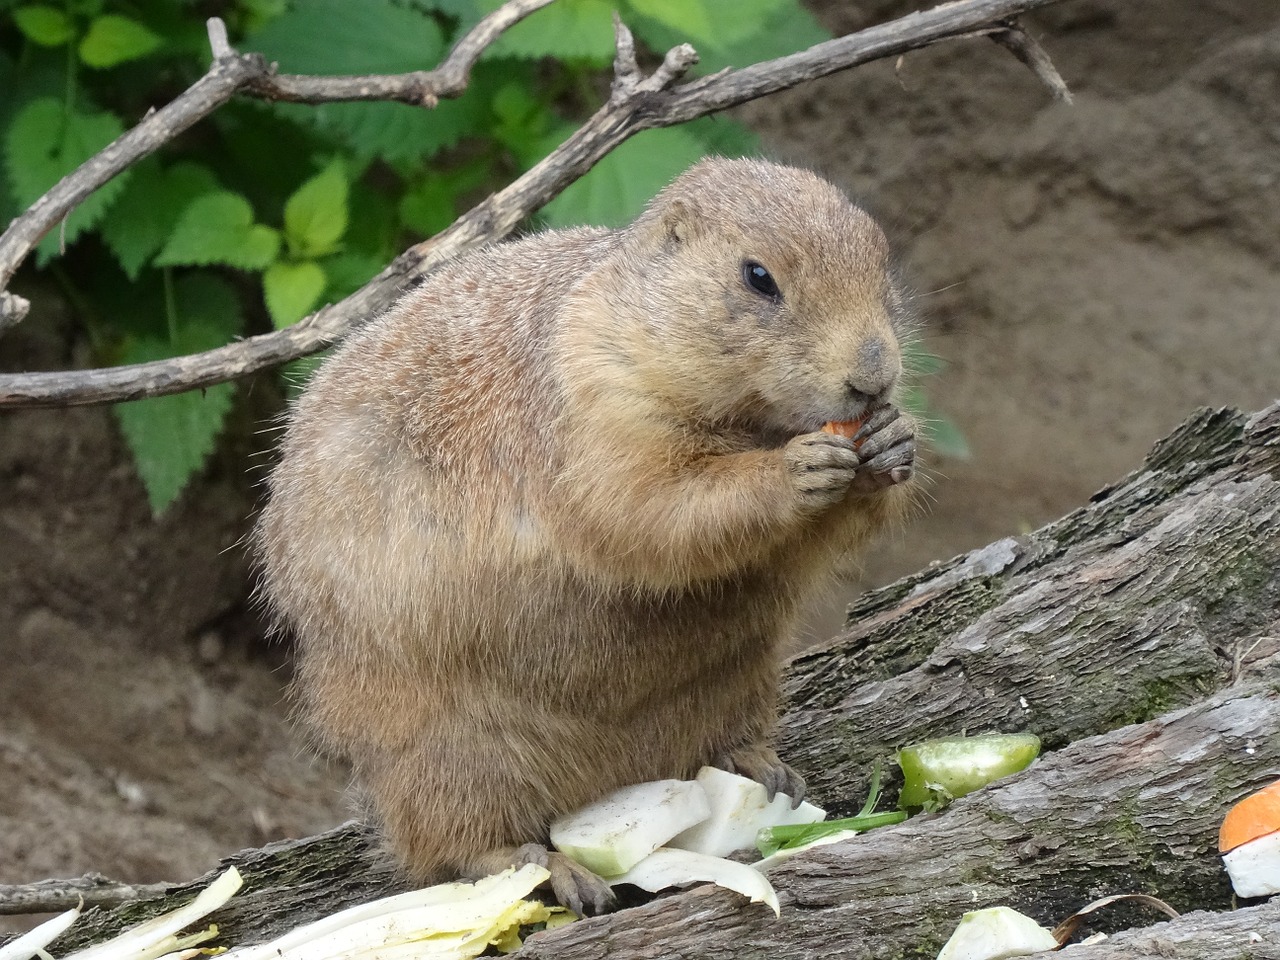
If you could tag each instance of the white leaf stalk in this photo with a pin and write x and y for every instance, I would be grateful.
(157, 936)
(678, 868)
(450, 920)
(36, 939)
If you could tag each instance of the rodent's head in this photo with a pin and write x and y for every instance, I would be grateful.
(768, 298)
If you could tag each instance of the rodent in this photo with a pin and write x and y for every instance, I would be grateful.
(541, 528)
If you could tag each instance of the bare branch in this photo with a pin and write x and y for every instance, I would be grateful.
(422, 88)
(92, 890)
(219, 44)
(1027, 49)
(635, 105)
(626, 70)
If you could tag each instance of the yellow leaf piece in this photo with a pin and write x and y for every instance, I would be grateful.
(450, 921)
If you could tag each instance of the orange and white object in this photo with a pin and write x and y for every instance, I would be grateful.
(1249, 842)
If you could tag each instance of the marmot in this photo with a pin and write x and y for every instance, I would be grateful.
(541, 529)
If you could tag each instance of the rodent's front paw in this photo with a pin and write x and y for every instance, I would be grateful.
(886, 446)
(821, 467)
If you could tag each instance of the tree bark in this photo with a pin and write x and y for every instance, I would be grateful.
(1137, 636)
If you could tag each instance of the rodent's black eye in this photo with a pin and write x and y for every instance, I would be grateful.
(760, 280)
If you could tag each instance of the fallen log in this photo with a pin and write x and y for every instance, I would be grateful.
(1137, 636)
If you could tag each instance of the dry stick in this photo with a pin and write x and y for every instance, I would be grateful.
(1027, 49)
(636, 104)
(91, 890)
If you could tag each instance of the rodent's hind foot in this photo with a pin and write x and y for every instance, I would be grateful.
(576, 887)
(761, 764)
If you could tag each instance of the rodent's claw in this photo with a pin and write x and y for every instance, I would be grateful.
(888, 454)
(582, 891)
(574, 885)
(874, 423)
(761, 764)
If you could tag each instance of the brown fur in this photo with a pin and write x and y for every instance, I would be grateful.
(541, 529)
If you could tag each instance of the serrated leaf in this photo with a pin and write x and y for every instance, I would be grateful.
(258, 13)
(172, 437)
(323, 37)
(292, 289)
(428, 207)
(568, 30)
(690, 18)
(113, 39)
(44, 144)
(732, 34)
(523, 123)
(349, 271)
(45, 25)
(146, 213)
(219, 228)
(403, 134)
(315, 216)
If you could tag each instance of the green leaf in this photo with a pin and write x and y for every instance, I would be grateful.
(292, 289)
(946, 439)
(526, 125)
(568, 30)
(138, 224)
(725, 34)
(47, 26)
(258, 13)
(920, 362)
(943, 436)
(43, 145)
(349, 271)
(296, 373)
(618, 187)
(403, 134)
(429, 206)
(687, 17)
(172, 437)
(323, 37)
(219, 228)
(114, 39)
(315, 217)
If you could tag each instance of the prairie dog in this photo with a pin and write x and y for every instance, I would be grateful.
(541, 529)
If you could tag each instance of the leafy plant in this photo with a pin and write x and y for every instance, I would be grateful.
(264, 212)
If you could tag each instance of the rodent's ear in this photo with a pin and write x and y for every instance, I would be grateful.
(678, 222)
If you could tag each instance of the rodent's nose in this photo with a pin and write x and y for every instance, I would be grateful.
(875, 372)
(869, 398)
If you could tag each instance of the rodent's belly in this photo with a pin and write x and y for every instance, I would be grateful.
(655, 688)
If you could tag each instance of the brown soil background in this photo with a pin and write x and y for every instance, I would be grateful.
(1091, 274)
